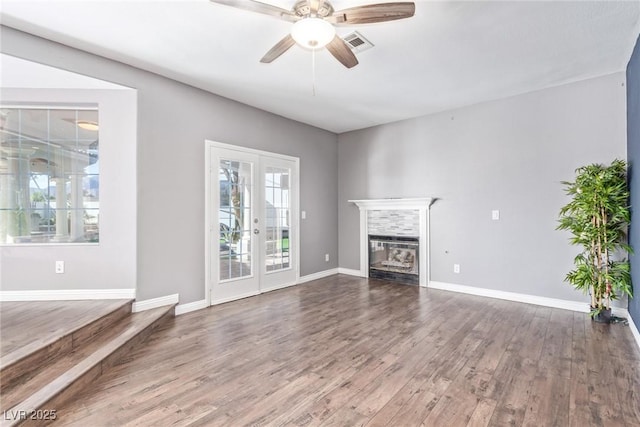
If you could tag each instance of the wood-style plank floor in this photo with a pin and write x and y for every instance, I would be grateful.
(346, 351)
(33, 323)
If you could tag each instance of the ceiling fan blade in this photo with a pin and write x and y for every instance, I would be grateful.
(259, 7)
(281, 47)
(372, 13)
(342, 52)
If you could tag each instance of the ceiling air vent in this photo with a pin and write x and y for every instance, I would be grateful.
(357, 42)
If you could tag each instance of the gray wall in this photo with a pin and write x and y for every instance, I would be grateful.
(633, 150)
(173, 122)
(510, 155)
(112, 263)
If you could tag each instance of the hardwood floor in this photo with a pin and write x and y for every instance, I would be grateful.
(347, 351)
(46, 320)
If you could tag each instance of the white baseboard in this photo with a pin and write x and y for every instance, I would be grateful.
(155, 303)
(303, 279)
(280, 286)
(191, 306)
(633, 327)
(67, 294)
(621, 312)
(197, 305)
(634, 330)
(318, 275)
(234, 298)
(580, 306)
(350, 272)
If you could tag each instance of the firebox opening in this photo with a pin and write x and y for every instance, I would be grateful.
(394, 258)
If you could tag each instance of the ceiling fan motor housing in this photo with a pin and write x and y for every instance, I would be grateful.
(314, 21)
(302, 9)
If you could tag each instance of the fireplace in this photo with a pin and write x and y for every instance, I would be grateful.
(400, 224)
(394, 258)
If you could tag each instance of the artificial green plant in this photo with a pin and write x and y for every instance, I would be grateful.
(598, 217)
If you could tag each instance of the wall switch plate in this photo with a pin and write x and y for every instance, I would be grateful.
(303, 214)
(495, 215)
(59, 267)
(456, 268)
(326, 257)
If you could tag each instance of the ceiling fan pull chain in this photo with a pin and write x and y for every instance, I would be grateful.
(313, 71)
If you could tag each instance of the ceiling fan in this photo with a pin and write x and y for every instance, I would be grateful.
(314, 23)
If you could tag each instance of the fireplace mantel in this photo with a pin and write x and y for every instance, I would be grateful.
(422, 205)
(392, 204)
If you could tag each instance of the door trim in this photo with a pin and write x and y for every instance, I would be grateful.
(210, 145)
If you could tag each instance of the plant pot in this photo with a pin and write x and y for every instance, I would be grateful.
(603, 317)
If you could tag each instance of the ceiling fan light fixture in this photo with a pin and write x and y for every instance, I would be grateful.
(313, 33)
(87, 125)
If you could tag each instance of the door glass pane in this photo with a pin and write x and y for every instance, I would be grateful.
(235, 215)
(277, 217)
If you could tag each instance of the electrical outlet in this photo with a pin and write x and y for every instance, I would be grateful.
(326, 257)
(456, 268)
(59, 267)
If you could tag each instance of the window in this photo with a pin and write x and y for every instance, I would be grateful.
(49, 175)
(278, 212)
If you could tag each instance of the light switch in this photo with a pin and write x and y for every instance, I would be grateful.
(495, 215)
(304, 214)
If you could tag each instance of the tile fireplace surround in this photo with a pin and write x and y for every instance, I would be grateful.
(395, 217)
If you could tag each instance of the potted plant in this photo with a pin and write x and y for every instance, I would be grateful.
(598, 218)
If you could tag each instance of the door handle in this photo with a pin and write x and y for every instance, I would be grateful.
(256, 231)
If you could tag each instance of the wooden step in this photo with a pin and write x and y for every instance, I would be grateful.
(24, 354)
(66, 375)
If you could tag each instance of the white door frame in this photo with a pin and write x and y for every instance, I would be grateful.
(295, 214)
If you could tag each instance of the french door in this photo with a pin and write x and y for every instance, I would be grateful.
(252, 216)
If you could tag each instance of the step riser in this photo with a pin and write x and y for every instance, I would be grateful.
(64, 396)
(90, 331)
(120, 355)
(22, 369)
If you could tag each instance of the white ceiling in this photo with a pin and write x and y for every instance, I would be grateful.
(450, 54)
